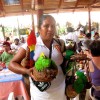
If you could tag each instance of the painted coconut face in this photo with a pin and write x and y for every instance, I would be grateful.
(70, 44)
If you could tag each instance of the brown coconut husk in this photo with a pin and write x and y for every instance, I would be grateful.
(70, 92)
(79, 57)
(46, 75)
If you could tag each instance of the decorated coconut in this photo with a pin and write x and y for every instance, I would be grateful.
(70, 49)
(77, 86)
(80, 82)
(70, 45)
(70, 92)
(79, 57)
(45, 69)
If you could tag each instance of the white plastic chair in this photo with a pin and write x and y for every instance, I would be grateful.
(11, 96)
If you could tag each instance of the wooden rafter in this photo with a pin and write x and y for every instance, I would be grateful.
(1, 6)
(39, 4)
(94, 1)
(21, 3)
(33, 4)
(59, 5)
(76, 5)
(43, 2)
(95, 7)
(89, 18)
(68, 8)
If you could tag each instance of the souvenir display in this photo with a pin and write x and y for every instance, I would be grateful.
(77, 81)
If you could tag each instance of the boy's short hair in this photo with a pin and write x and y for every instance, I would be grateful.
(6, 44)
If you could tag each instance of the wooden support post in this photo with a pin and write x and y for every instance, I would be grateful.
(89, 18)
(39, 8)
(33, 26)
(3, 31)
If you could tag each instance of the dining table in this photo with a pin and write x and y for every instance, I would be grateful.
(11, 82)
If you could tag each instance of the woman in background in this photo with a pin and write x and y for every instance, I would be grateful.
(94, 68)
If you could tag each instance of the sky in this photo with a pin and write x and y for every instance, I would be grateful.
(61, 18)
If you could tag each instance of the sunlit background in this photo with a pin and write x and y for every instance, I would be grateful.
(25, 21)
(61, 18)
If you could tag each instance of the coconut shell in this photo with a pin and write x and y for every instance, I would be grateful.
(79, 57)
(45, 69)
(46, 75)
(70, 92)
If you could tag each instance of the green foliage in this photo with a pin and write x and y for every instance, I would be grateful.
(15, 30)
(0, 29)
(23, 31)
(6, 29)
(95, 25)
(61, 30)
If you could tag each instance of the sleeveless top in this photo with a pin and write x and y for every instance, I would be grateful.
(95, 76)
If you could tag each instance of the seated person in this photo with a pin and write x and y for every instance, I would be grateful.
(22, 40)
(7, 39)
(16, 45)
(82, 34)
(88, 36)
(96, 36)
(85, 44)
(7, 55)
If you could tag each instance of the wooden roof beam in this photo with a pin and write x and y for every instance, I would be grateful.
(59, 5)
(21, 3)
(39, 4)
(95, 2)
(1, 6)
(33, 4)
(95, 6)
(68, 8)
(81, 7)
(2, 10)
(76, 5)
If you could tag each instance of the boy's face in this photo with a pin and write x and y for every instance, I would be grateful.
(6, 48)
(96, 36)
(16, 42)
